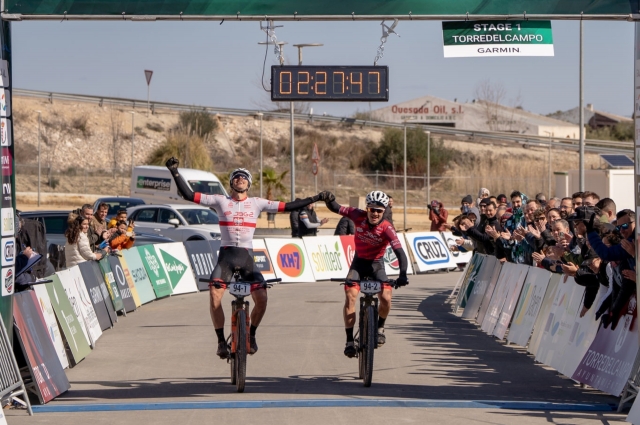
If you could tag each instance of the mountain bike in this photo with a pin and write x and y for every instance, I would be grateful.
(366, 338)
(238, 341)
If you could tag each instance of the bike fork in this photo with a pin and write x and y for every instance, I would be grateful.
(234, 319)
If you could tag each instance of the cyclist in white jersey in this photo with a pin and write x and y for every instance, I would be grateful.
(238, 216)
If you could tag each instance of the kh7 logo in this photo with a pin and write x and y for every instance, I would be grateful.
(431, 250)
(291, 260)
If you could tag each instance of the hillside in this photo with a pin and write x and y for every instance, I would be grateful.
(87, 148)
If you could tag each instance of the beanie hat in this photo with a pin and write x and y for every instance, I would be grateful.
(468, 199)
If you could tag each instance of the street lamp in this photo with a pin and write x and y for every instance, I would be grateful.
(259, 114)
(132, 139)
(428, 167)
(39, 137)
(550, 135)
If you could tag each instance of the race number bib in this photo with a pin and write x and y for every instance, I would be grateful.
(370, 286)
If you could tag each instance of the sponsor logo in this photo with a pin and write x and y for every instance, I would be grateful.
(6, 195)
(152, 261)
(431, 250)
(249, 214)
(3, 102)
(238, 221)
(175, 268)
(6, 162)
(7, 221)
(8, 282)
(326, 260)
(390, 259)
(228, 212)
(121, 280)
(451, 242)
(9, 251)
(628, 318)
(96, 295)
(153, 183)
(261, 260)
(4, 133)
(291, 260)
(139, 275)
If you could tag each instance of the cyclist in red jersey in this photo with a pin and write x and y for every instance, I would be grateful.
(372, 236)
(238, 216)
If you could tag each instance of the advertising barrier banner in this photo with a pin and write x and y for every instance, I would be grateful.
(529, 306)
(51, 323)
(469, 280)
(326, 257)
(391, 264)
(609, 360)
(86, 306)
(499, 296)
(112, 286)
(543, 315)
(349, 248)
(262, 260)
(47, 373)
(430, 251)
(458, 257)
(130, 281)
(99, 276)
(123, 285)
(202, 261)
(480, 285)
(96, 294)
(176, 265)
(69, 324)
(289, 260)
(488, 294)
(139, 275)
(74, 298)
(519, 275)
(155, 271)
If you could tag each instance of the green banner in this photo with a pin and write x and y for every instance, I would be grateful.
(157, 276)
(497, 38)
(139, 275)
(291, 8)
(67, 319)
(112, 286)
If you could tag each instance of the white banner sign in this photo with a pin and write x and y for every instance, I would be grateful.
(505, 281)
(289, 259)
(391, 264)
(430, 251)
(518, 277)
(67, 280)
(458, 256)
(529, 306)
(176, 265)
(480, 281)
(52, 325)
(545, 310)
(326, 257)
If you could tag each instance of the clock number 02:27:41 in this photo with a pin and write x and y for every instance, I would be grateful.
(340, 81)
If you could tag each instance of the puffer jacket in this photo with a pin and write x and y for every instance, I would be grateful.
(78, 252)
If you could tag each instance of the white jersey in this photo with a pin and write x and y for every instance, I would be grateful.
(238, 218)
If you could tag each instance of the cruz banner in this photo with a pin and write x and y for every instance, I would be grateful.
(430, 251)
(497, 38)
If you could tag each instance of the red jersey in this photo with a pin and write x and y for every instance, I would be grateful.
(371, 242)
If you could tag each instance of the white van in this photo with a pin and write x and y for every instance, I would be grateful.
(155, 185)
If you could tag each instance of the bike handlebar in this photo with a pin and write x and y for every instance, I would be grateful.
(217, 284)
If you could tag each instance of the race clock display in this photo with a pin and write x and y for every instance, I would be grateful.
(330, 83)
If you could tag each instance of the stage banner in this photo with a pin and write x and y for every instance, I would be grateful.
(50, 321)
(67, 319)
(96, 294)
(112, 286)
(498, 298)
(123, 285)
(155, 271)
(66, 278)
(609, 360)
(529, 306)
(509, 306)
(176, 265)
(458, 257)
(468, 282)
(545, 309)
(289, 260)
(488, 294)
(326, 257)
(86, 305)
(99, 276)
(129, 279)
(560, 321)
(481, 281)
(39, 352)
(262, 260)
(391, 264)
(139, 275)
(349, 247)
(202, 261)
(582, 335)
(430, 251)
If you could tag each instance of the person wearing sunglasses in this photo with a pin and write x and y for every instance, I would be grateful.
(238, 217)
(373, 235)
(626, 226)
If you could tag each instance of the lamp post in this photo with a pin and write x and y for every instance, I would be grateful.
(550, 140)
(39, 137)
(404, 148)
(259, 114)
(428, 167)
(581, 107)
(132, 139)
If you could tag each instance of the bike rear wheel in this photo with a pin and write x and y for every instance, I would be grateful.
(369, 345)
(241, 350)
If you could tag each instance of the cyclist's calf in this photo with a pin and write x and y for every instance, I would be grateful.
(217, 313)
(385, 302)
(260, 307)
(350, 294)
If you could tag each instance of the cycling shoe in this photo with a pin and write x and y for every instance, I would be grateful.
(350, 350)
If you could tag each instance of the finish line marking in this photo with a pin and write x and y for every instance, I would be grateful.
(278, 404)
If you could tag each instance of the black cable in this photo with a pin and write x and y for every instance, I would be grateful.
(264, 63)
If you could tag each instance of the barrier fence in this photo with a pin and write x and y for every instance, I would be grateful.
(527, 306)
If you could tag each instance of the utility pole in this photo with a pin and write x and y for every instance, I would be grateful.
(132, 140)
(39, 169)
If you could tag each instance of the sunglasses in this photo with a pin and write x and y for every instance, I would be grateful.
(240, 176)
(624, 226)
(375, 210)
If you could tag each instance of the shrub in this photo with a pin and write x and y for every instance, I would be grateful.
(81, 124)
(190, 149)
(155, 127)
(200, 123)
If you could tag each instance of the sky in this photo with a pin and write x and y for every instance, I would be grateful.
(213, 64)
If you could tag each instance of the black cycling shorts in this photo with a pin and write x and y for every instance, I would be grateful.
(372, 269)
(231, 257)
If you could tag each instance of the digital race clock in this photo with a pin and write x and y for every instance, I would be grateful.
(330, 83)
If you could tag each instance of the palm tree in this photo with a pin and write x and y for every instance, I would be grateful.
(272, 181)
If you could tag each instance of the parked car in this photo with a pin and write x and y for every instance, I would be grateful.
(55, 224)
(116, 204)
(178, 222)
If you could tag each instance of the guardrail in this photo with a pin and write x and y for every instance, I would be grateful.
(591, 145)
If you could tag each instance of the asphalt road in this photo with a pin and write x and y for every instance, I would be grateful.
(158, 364)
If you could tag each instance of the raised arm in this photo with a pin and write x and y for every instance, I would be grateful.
(300, 203)
(183, 188)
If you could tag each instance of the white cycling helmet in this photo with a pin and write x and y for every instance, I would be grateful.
(377, 198)
(240, 172)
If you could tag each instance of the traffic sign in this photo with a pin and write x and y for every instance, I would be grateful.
(315, 156)
(148, 75)
(314, 168)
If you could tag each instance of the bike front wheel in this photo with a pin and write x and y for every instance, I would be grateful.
(241, 350)
(369, 339)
